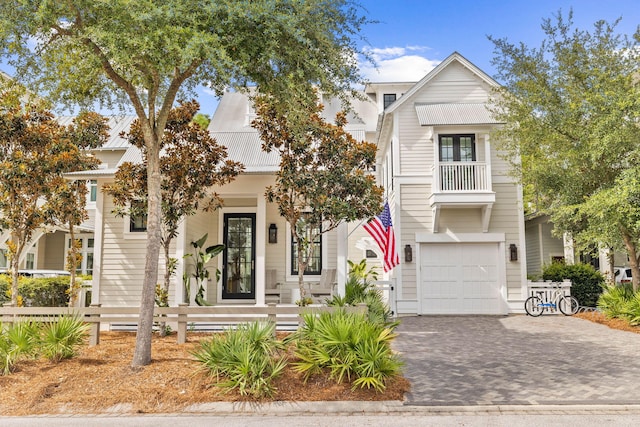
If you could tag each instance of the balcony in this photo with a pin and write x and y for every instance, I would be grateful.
(462, 185)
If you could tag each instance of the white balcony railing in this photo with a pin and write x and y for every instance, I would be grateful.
(463, 176)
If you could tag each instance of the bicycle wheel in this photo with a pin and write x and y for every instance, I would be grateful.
(568, 305)
(532, 306)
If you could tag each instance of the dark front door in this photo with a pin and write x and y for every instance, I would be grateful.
(238, 276)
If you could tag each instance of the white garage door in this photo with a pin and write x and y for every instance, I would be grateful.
(460, 278)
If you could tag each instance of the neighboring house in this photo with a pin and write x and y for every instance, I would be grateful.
(543, 247)
(457, 214)
(49, 245)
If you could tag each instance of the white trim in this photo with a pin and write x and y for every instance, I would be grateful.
(522, 258)
(98, 236)
(307, 278)
(233, 210)
(460, 237)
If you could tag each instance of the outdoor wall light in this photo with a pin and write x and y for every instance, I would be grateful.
(408, 253)
(273, 234)
(513, 252)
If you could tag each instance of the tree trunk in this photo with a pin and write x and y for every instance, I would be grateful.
(167, 281)
(142, 354)
(633, 260)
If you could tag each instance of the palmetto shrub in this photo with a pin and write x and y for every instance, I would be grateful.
(359, 290)
(17, 341)
(245, 359)
(61, 339)
(613, 300)
(350, 346)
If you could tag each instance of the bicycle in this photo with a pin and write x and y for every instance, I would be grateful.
(535, 305)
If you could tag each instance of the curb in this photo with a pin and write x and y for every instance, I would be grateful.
(397, 408)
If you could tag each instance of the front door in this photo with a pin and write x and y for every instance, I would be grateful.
(238, 276)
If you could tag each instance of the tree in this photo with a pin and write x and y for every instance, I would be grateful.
(191, 163)
(323, 179)
(35, 152)
(146, 52)
(571, 109)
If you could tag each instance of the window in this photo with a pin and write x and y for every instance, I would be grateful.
(3, 258)
(85, 244)
(138, 219)
(30, 262)
(93, 190)
(388, 99)
(370, 254)
(315, 263)
(457, 148)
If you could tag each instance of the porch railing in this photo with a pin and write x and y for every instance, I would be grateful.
(463, 176)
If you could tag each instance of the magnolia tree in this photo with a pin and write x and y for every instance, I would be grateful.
(35, 152)
(191, 164)
(571, 109)
(142, 54)
(323, 179)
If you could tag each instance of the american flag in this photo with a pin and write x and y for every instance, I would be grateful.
(381, 229)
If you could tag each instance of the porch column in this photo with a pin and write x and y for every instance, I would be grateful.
(261, 241)
(181, 243)
(98, 239)
(343, 253)
(487, 161)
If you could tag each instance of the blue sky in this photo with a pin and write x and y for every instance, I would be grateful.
(413, 36)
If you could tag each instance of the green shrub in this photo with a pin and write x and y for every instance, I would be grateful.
(613, 300)
(245, 358)
(359, 290)
(61, 339)
(586, 282)
(4, 289)
(44, 292)
(17, 341)
(348, 344)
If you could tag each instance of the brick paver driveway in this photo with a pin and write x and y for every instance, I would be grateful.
(515, 360)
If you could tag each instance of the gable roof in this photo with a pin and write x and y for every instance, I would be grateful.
(117, 125)
(455, 56)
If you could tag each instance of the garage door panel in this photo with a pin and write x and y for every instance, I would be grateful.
(460, 278)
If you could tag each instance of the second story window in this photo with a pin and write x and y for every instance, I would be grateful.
(457, 148)
(388, 99)
(93, 190)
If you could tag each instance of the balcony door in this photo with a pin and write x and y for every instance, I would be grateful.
(457, 148)
(238, 276)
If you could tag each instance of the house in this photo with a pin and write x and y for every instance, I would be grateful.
(457, 214)
(454, 206)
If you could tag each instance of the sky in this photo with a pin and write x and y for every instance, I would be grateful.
(413, 36)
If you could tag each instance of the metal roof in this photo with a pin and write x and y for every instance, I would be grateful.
(117, 125)
(453, 114)
(246, 148)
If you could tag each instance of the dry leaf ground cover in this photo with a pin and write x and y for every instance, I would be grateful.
(100, 379)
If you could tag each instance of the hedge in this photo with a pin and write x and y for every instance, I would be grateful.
(41, 292)
(586, 282)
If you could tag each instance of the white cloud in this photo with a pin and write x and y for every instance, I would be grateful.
(397, 64)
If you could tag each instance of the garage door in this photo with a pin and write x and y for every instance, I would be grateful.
(460, 278)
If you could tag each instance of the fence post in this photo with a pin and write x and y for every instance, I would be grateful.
(94, 333)
(271, 316)
(182, 323)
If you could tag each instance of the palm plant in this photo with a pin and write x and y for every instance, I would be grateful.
(612, 301)
(61, 338)
(17, 341)
(350, 345)
(244, 359)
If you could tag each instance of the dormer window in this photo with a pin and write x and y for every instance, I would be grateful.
(388, 99)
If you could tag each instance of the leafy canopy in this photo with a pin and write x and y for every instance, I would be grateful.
(571, 108)
(323, 179)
